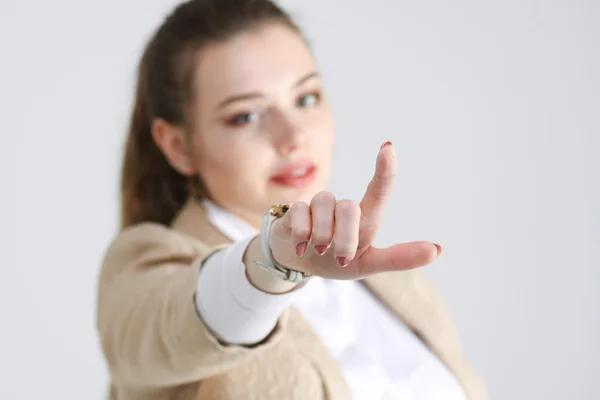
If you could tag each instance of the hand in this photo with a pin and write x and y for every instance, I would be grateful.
(333, 239)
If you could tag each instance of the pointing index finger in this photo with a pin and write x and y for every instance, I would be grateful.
(377, 194)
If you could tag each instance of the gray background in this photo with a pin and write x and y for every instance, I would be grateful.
(494, 108)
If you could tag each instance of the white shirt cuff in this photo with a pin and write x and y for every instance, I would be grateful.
(231, 307)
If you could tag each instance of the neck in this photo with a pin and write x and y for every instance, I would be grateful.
(251, 218)
(254, 220)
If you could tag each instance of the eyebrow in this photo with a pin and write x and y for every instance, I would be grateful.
(253, 95)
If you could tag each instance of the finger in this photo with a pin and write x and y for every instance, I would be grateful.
(301, 226)
(345, 238)
(399, 257)
(377, 194)
(322, 208)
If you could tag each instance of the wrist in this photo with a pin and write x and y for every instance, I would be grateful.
(259, 278)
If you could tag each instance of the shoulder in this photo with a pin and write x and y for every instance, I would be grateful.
(151, 244)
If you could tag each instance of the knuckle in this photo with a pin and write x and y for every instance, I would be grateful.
(380, 192)
(323, 198)
(299, 217)
(377, 196)
(347, 208)
(298, 207)
(298, 213)
(301, 231)
(321, 237)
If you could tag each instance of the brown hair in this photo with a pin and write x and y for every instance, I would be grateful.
(152, 190)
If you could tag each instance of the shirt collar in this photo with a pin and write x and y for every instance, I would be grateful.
(226, 222)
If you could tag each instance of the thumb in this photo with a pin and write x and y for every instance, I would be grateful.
(400, 257)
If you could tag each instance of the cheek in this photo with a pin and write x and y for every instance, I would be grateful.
(325, 145)
(232, 171)
(323, 127)
(224, 166)
(323, 137)
(215, 154)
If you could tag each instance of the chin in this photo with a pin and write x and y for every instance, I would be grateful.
(292, 194)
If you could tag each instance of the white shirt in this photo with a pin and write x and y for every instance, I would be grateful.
(379, 356)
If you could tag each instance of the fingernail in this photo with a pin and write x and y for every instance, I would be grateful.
(343, 261)
(386, 144)
(439, 249)
(301, 248)
(321, 249)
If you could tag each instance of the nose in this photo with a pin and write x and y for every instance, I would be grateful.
(289, 134)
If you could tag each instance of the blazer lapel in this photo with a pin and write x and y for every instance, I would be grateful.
(193, 221)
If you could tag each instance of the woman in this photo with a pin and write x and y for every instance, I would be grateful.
(204, 295)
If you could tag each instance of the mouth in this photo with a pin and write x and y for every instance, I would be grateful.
(298, 175)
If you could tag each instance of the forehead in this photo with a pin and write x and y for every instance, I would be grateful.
(266, 59)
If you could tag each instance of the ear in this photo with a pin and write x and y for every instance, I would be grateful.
(171, 140)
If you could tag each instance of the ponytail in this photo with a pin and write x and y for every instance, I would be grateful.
(151, 190)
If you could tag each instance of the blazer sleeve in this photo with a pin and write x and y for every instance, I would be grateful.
(147, 321)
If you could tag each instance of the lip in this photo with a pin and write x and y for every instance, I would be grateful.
(285, 177)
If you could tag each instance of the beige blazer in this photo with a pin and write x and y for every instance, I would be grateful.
(157, 347)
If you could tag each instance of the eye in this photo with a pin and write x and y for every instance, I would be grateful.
(309, 100)
(244, 118)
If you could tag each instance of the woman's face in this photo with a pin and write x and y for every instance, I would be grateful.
(263, 132)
